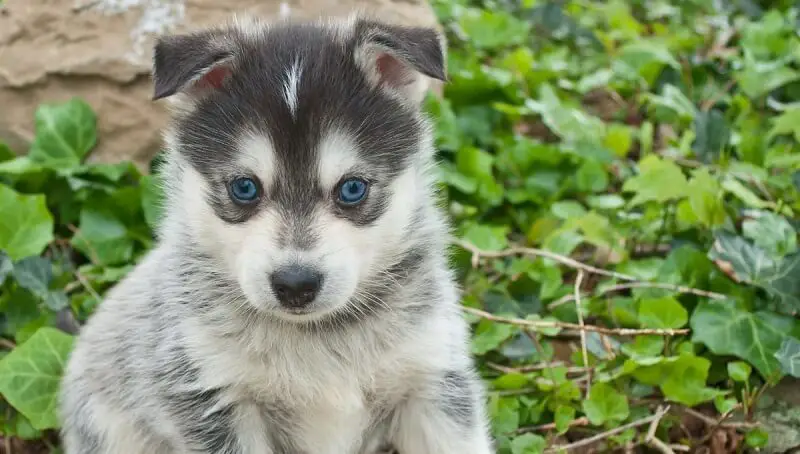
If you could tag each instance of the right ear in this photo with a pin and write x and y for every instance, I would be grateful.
(192, 64)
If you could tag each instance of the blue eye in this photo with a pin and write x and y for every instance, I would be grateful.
(244, 190)
(352, 191)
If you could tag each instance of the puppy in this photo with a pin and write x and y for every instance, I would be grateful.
(299, 298)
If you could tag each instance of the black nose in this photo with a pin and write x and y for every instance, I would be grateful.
(296, 286)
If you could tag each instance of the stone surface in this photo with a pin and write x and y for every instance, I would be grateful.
(779, 413)
(100, 50)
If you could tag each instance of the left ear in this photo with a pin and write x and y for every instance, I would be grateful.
(399, 58)
(193, 64)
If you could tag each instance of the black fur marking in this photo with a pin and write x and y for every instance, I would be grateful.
(279, 420)
(333, 93)
(89, 442)
(178, 59)
(419, 46)
(457, 399)
(207, 426)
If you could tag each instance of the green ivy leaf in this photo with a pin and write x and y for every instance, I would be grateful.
(572, 125)
(723, 405)
(605, 405)
(659, 180)
(591, 177)
(770, 232)
(673, 98)
(758, 81)
(491, 337)
(753, 337)
(34, 273)
(528, 444)
(56, 300)
(739, 371)
(647, 58)
(490, 29)
(784, 285)
(26, 226)
(705, 198)
(152, 200)
(488, 238)
(19, 308)
(662, 313)
(65, 133)
(504, 413)
(789, 356)
(30, 376)
(645, 350)
(712, 134)
(749, 263)
(757, 438)
(6, 267)
(787, 123)
(564, 415)
(686, 379)
(103, 238)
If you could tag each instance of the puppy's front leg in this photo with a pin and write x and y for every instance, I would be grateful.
(446, 416)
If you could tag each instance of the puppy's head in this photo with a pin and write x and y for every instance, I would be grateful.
(300, 155)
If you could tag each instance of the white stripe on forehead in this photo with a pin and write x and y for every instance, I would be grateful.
(338, 154)
(257, 154)
(290, 86)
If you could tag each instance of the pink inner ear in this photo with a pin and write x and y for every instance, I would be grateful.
(392, 71)
(214, 78)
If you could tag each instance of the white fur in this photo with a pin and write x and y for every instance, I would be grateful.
(121, 380)
(293, 76)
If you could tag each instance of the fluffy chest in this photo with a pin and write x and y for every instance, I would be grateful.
(307, 398)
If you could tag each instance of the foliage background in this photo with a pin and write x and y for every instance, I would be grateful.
(624, 178)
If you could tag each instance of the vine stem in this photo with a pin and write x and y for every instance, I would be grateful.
(602, 436)
(584, 349)
(633, 282)
(543, 324)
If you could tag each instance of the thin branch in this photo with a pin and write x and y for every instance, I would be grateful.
(7, 344)
(86, 285)
(643, 284)
(584, 349)
(542, 324)
(582, 421)
(651, 438)
(604, 435)
(477, 253)
(714, 423)
(534, 368)
(514, 392)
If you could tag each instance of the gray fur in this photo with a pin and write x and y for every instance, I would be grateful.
(193, 353)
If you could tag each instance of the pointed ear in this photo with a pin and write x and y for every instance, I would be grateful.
(399, 58)
(191, 64)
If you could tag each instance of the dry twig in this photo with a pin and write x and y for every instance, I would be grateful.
(584, 349)
(533, 368)
(716, 423)
(651, 438)
(542, 324)
(477, 253)
(86, 285)
(619, 287)
(582, 421)
(604, 435)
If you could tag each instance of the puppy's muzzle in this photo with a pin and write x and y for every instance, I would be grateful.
(296, 286)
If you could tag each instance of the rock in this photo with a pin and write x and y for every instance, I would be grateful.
(100, 50)
(778, 411)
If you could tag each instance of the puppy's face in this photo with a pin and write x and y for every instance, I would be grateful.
(303, 155)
